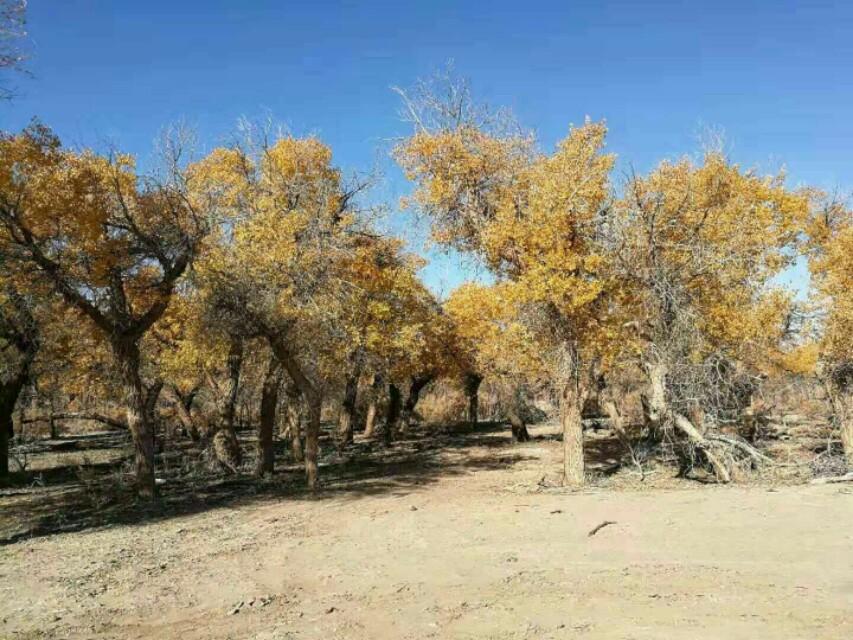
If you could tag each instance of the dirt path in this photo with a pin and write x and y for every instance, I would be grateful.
(479, 553)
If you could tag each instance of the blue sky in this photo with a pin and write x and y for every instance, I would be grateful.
(774, 76)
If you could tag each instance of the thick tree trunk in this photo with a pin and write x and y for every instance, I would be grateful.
(347, 417)
(9, 393)
(269, 405)
(516, 422)
(227, 446)
(571, 409)
(415, 388)
(373, 399)
(392, 414)
(472, 391)
(138, 422)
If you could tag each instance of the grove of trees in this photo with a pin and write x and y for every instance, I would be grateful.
(259, 266)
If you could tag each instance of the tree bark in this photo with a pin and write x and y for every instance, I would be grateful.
(516, 422)
(226, 446)
(571, 409)
(9, 393)
(370, 417)
(138, 418)
(347, 417)
(472, 391)
(183, 407)
(415, 388)
(654, 400)
(269, 405)
(392, 414)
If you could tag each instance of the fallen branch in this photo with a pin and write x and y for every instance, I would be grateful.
(704, 445)
(749, 450)
(600, 527)
(847, 477)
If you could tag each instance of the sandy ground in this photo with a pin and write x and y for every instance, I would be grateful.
(481, 552)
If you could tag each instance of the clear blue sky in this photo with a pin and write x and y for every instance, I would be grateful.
(776, 76)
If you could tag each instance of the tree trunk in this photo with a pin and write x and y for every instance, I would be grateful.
(269, 405)
(370, 417)
(226, 446)
(138, 422)
(392, 415)
(347, 417)
(311, 393)
(571, 409)
(472, 388)
(9, 393)
(654, 400)
(418, 384)
(516, 422)
(183, 406)
(312, 442)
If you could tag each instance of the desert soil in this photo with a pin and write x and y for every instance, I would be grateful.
(472, 548)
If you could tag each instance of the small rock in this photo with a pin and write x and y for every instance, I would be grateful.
(331, 610)
(413, 508)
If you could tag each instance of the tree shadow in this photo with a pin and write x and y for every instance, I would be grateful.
(75, 498)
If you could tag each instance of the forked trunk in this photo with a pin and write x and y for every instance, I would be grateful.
(347, 417)
(183, 407)
(392, 415)
(571, 408)
(269, 405)
(472, 391)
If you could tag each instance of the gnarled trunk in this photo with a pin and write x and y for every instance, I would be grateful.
(415, 388)
(392, 415)
(226, 447)
(472, 388)
(266, 428)
(138, 416)
(347, 416)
